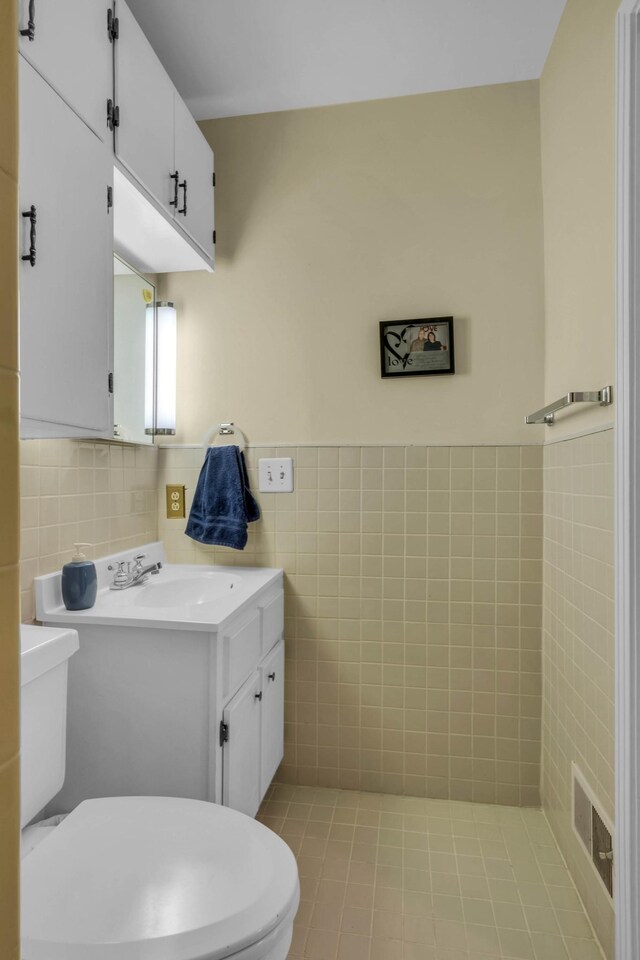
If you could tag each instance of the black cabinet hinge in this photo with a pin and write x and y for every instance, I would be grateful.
(110, 382)
(109, 197)
(30, 31)
(113, 115)
(214, 236)
(113, 26)
(224, 733)
(213, 178)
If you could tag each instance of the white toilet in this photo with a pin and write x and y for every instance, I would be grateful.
(137, 878)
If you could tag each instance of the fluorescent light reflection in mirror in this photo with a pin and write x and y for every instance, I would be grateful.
(161, 348)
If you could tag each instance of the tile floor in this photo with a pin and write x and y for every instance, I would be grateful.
(398, 878)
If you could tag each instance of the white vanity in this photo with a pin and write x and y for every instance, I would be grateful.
(178, 686)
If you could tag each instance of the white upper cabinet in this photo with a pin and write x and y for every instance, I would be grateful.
(66, 281)
(157, 140)
(70, 48)
(91, 83)
(144, 137)
(194, 165)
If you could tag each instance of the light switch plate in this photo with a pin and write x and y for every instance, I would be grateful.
(275, 475)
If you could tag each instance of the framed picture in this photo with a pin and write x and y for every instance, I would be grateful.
(416, 348)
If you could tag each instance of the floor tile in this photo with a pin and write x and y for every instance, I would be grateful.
(402, 878)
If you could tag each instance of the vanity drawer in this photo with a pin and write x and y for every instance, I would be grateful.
(272, 613)
(241, 652)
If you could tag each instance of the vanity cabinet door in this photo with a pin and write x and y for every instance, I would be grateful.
(272, 673)
(66, 288)
(70, 48)
(144, 94)
(194, 163)
(241, 752)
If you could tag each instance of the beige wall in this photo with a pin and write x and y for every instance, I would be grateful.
(413, 604)
(98, 493)
(330, 220)
(9, 617)
(577, 106)
(578, 648)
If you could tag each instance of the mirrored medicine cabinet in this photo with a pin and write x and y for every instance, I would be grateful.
(134, 319)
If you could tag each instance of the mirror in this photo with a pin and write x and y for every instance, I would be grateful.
(132, 293)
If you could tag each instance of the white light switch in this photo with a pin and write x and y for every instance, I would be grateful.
(275, 475)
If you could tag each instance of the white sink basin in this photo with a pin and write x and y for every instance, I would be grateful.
(183, 592)
(188, 596)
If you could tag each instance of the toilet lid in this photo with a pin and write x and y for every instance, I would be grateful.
(154, 878)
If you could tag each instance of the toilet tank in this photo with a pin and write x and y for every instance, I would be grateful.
(44, 660)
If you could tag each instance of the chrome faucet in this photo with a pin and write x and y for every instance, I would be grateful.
(126, 576)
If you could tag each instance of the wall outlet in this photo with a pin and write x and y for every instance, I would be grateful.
(175, 501)
(275, 475)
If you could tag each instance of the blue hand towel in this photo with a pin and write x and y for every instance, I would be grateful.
(223, 504)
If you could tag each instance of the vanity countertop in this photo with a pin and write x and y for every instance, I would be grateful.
(185, 596)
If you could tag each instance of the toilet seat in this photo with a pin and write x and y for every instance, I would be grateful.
(157, 878)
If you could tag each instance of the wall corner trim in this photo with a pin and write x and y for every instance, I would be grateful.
(627, 462)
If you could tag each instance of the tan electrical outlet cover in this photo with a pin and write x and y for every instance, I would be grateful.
(175, 495)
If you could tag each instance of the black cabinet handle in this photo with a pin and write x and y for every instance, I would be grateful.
(174, 177)
(31, 256)
(183, 209)
(271, 676)
(31, 22)
(258, 696)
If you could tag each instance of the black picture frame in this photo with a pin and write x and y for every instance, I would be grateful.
(400, 357)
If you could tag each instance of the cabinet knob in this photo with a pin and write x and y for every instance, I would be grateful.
(258, 696)
(271, 676)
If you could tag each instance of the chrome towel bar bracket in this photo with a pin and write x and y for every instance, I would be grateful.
(224, 430)
(548, 414)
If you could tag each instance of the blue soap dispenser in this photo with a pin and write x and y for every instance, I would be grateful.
(79, 581)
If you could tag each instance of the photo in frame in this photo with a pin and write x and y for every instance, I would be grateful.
(416, 348)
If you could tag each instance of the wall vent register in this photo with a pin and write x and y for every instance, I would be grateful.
(594, 832)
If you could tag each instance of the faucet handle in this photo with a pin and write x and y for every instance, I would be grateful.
(121, 575)
(138, 562)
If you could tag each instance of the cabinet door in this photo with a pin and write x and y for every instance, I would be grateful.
(194, 163)
(144, 96)
(66, 296)
(72, 51)
(272, 674)
(241, 753)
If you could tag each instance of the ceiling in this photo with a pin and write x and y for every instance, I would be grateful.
(234, 57)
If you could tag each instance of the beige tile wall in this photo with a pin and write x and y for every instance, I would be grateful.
(98, 493)
(578, 646)
(413, 614)
(414, 590)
